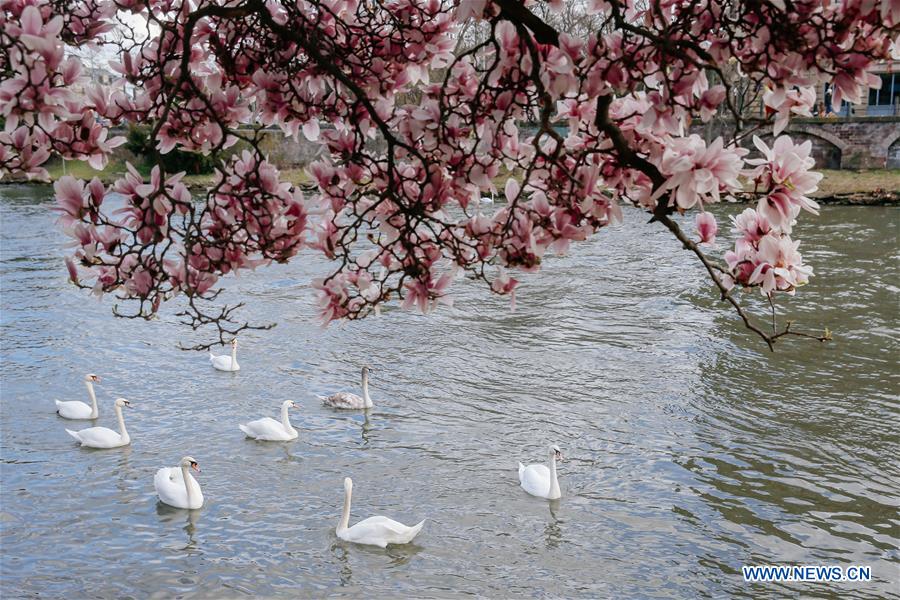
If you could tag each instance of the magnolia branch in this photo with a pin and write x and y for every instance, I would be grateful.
(406, 158)
(727, 293)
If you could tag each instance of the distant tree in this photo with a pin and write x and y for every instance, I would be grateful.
(140, 142)
(419, 104)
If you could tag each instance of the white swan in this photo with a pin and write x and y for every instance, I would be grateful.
(269, 430)
(102, 437)
(176, 487)
(76, 409)
(374, 531)
(349, 401)
(538, 480)
(224, 362)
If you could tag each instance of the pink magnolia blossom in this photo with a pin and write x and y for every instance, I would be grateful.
(751, 224)
(426, 295)
(70, 198)
(700, 173)
(706, 228)
(780, 266)
(73, 271)
(504, 284)
(784, 170)
(786, 102)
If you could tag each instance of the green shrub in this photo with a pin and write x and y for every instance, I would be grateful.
(139, 143)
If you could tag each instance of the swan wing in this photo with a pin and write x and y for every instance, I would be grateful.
(381, 531)
(168, 476)
(223, 363)
(400, 533)
(383, 522)
(344, 400)
(169, 484)
(99, 437)
(73, 409)
(535, 480)
(266, 428)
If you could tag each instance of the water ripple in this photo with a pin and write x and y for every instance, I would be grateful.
(690, 450)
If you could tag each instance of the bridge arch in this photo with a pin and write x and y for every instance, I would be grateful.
(893, 153)
(827, 148)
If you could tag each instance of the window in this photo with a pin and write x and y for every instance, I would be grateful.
(895, 95)
(884, 101)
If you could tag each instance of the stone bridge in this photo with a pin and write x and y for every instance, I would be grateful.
(857, 143)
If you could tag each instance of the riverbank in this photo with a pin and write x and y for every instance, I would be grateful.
(116, 169)
(868, 187)
(877, 187)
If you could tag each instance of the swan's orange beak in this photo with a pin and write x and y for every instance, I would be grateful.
(195, 467)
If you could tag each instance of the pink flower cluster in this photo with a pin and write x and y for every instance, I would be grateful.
(104, 245)
(784, 173)
(252, 217)
(764, 254)
(698, 173)
(149, 207)
(42, 112)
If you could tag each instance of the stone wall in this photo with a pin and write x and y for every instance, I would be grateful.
(286, 152)
(860, 143)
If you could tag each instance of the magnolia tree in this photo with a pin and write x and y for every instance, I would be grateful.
(418, 125)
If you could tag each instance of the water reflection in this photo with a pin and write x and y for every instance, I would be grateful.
(340, 552)
(402, 555)
(553, 531)
(125, 474)
(366, 427)
(169, 515)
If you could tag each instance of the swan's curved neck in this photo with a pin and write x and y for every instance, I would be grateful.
(365, 389)
(554, 482)
(90, 389)
(285, 418)
(233, 354)
(345, 516)
(121, 418)
(186, 476)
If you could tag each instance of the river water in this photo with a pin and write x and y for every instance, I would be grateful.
(690, 449)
